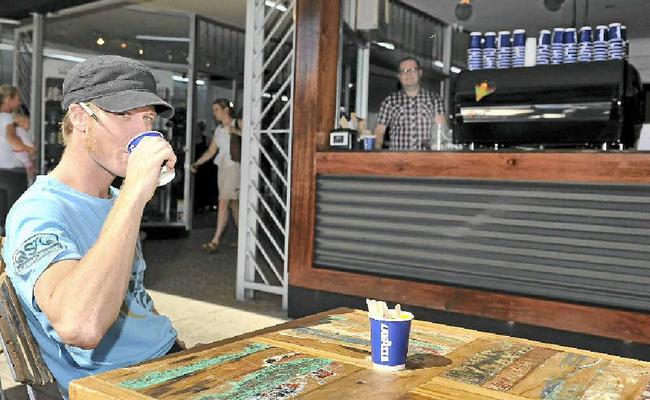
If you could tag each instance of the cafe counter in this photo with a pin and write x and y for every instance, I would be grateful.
(549, 239)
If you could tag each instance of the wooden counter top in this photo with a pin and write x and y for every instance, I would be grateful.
(594, 167)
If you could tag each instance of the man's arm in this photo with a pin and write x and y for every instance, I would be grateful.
(82, 298)
(380, 130)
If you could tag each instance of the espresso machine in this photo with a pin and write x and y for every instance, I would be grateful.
(596, 104)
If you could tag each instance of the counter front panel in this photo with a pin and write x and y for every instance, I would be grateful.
(578, 242)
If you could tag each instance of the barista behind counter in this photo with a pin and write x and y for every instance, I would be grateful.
(411, 113)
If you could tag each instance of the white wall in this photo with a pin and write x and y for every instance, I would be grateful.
(640, 57)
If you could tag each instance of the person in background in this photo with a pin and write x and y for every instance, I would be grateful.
(13, 179)
(21, 121)
(411, 113)
(228, 175)
(72, 247)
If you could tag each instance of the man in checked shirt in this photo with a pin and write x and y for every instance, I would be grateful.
(411, 113)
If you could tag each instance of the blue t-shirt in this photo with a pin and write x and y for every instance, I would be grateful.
(53, 222)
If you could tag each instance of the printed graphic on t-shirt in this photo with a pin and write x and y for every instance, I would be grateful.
(137, 292)
(34, 249)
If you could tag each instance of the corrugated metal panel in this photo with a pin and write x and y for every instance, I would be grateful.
(577, 242)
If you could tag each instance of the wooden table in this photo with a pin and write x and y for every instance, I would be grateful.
(326, 356)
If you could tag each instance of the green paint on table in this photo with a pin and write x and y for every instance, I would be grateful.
(158, 377)
(270, 378)
(484, 365)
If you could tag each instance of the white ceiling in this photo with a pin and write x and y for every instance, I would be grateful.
(494, 15)
(118, 21)
(232, 12)
(487, 15)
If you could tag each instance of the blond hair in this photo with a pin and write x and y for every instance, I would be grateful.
(7, 92)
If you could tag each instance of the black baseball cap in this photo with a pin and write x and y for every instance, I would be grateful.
(114, 84)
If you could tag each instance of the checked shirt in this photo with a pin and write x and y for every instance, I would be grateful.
(410, 119)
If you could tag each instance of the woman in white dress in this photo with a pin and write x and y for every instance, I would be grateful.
(13, 178)
(228, 175)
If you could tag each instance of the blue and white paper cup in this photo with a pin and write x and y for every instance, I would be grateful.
(389, 342)
(166, 175)
(369, 143)
(602, 33)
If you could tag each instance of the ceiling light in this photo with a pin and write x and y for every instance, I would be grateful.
(455, 70)
(141, 51)
(9, 21)
(124, 45)
(464, 10)
(553, 5)
(438, 64)
(100, 41)
(65, 57)
(386, 45)
(162, 38)
(276, 4)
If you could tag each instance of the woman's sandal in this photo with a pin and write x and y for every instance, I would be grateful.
(210, 247)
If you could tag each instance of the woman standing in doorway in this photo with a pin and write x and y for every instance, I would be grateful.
(228, 175)
(13, 177)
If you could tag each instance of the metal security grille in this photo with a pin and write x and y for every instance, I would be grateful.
(266, 149)
(577, 242)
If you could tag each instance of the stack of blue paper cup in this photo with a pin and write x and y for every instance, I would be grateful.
(518, 47)
(600, 43)
(504, 50)
(570, 46)
(474, 52)
(490, 50)
(625, 41)
(616, 48)
(585, 46)
(544, 47)
(557, 46)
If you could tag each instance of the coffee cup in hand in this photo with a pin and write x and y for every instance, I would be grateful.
(166, 174)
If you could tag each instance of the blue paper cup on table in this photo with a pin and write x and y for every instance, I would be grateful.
(518, 47)
(601, 36)
(557, 46)
(504, 50)
(474, 52)
(368, 143)
(389, 342)
(570, 46)
(585, 45)
(544, 47)
(489, 51)
(166, 175)
(616, 44)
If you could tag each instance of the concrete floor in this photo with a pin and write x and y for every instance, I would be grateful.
(195, 290)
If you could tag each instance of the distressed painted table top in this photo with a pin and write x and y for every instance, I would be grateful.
(326, 356)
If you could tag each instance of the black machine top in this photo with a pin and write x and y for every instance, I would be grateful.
(596, 103)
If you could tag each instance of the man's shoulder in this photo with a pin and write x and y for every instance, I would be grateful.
(37, 202)
(395, 98)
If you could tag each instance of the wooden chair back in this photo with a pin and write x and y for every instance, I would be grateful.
(20, 348)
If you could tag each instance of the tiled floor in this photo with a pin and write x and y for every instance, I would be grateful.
(196, 291)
